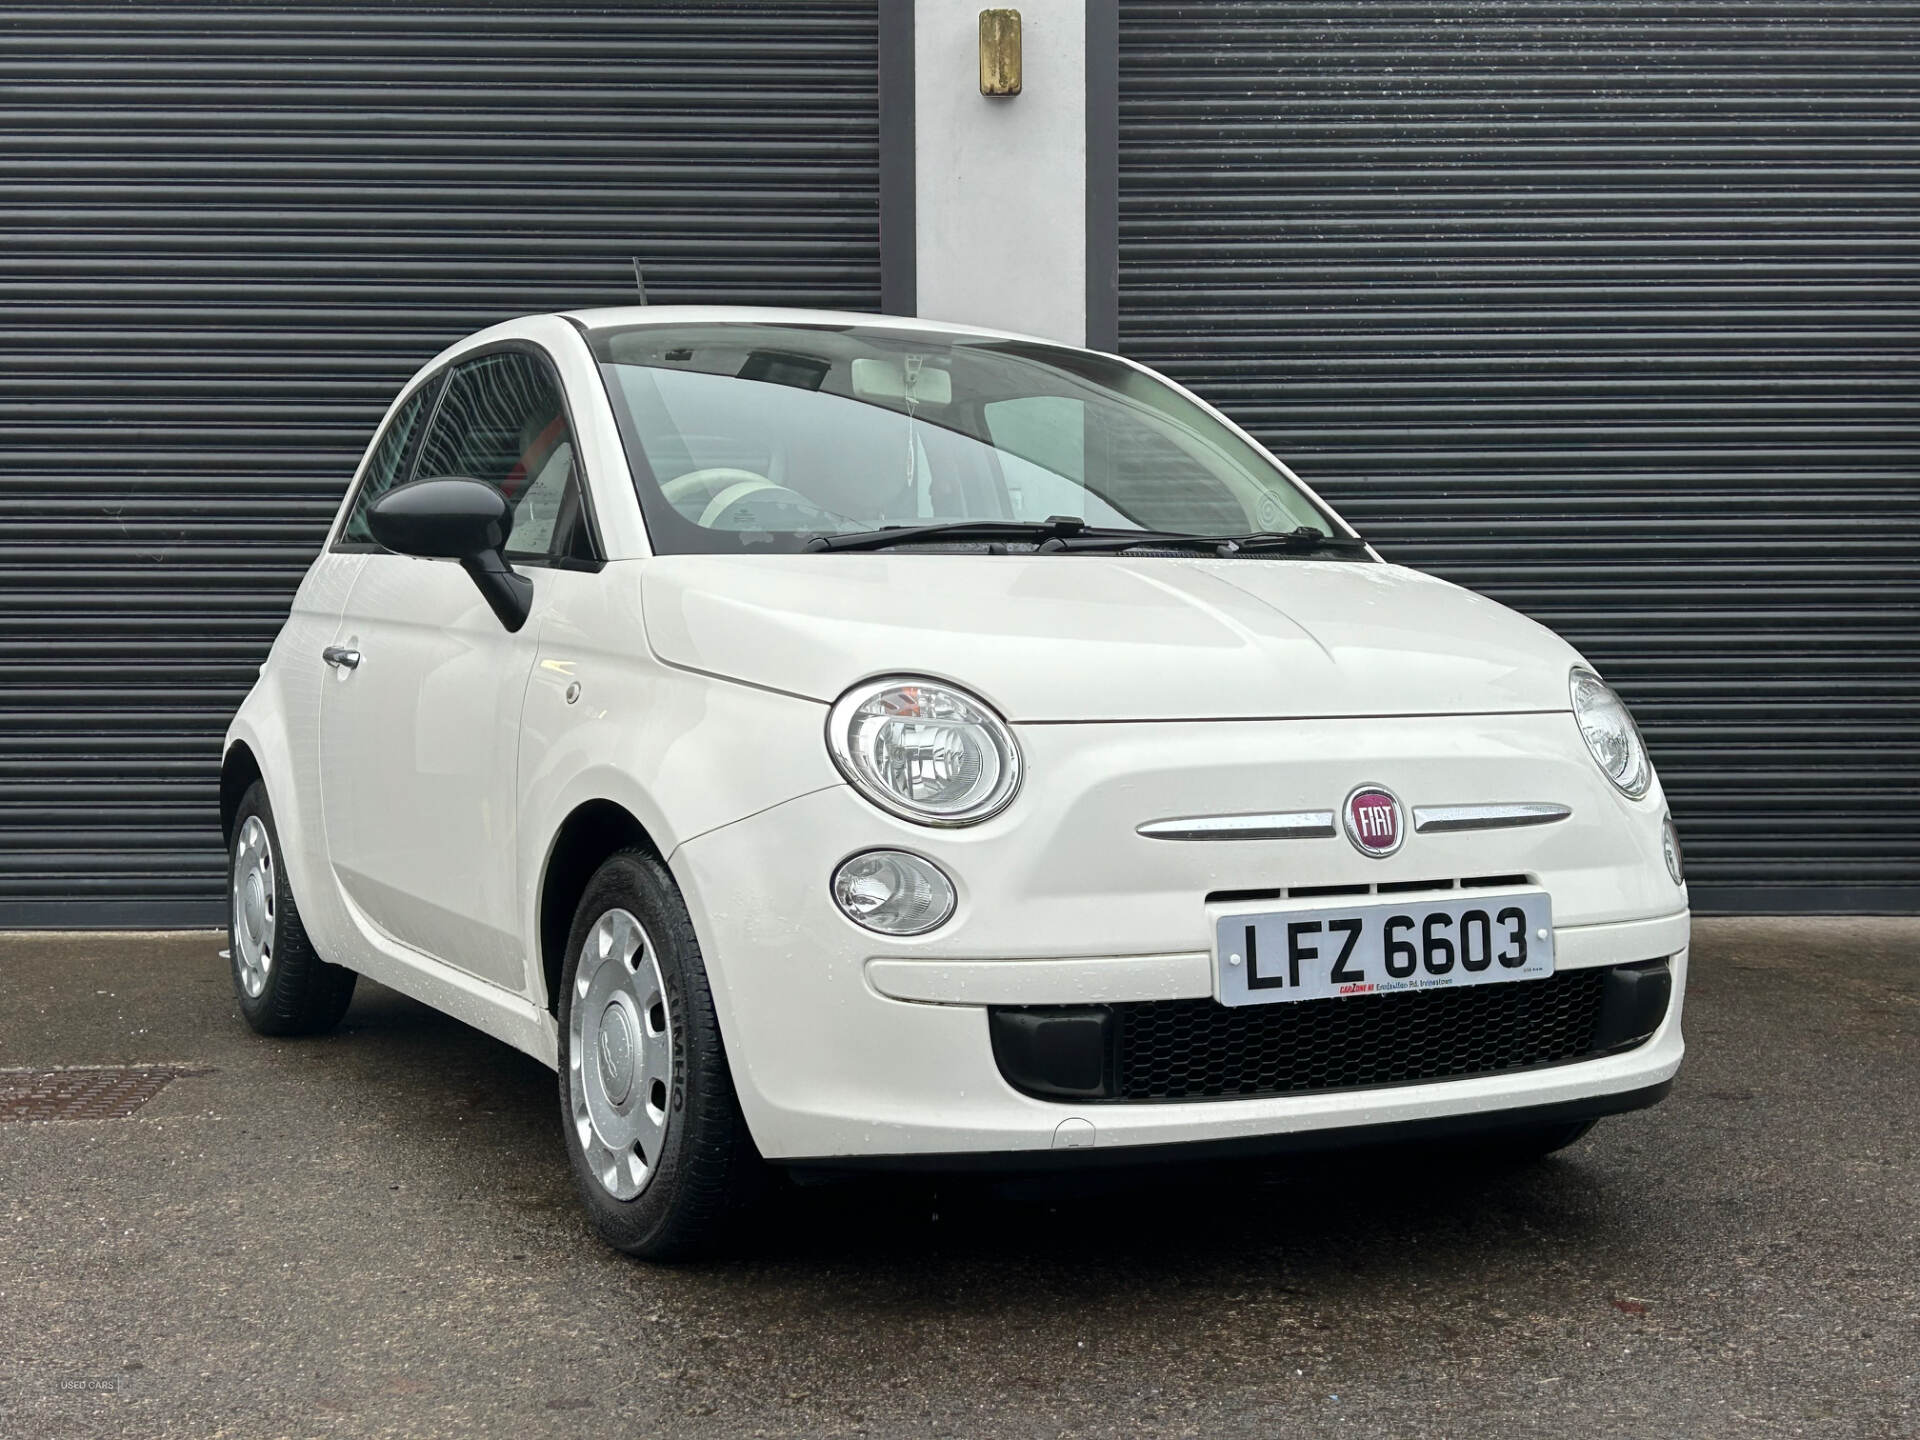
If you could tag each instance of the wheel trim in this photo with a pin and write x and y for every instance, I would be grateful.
(254, 906)
(619, 1055)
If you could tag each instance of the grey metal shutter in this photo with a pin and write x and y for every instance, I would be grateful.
(1611, 311)
(230, 231)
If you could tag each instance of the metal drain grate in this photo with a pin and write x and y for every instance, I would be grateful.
(92, 1092)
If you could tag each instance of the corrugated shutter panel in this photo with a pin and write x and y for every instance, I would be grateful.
(1611, 311)
(230, 233)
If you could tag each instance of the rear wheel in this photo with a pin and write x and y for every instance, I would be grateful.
(282, 984)
(653, 1130)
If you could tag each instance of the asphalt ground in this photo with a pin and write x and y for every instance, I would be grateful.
(374, 1233)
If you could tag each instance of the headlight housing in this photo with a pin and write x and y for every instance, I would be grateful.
(1612, 737)
(1670, 848)
(924, 750)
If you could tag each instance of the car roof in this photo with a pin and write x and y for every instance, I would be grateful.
(622, 316)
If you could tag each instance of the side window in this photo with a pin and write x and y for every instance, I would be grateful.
(503, 422)
(538, 508)
(386, 468)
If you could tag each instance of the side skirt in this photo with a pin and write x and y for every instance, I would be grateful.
(507, 1017)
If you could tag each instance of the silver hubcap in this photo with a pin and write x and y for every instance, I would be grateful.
(253, 906)
(619, 1055)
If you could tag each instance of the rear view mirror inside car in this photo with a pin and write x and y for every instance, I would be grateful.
(876, 379)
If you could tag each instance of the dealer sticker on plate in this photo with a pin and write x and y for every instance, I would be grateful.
(1317, 950)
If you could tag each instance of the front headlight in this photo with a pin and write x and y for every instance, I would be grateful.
(1610, 733)
(926, 751)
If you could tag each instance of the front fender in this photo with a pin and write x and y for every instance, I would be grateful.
(683, 753)
(263, 725)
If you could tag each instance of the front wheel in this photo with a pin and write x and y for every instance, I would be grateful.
(653, 1130)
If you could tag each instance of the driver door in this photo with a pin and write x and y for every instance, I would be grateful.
(420, 720)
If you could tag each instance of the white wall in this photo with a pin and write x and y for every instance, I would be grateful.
(1000, 185)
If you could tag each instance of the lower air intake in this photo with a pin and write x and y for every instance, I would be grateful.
(1201, 1050)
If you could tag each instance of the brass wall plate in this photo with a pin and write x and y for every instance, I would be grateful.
(999, 52)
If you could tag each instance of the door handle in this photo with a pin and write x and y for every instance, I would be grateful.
(340, 657)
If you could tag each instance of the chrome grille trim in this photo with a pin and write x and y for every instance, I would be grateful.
(1431, 819)
(1287, 825)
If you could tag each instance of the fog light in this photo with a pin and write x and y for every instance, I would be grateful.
(1670, 845)
(893, 892)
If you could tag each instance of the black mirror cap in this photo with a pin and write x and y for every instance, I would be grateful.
(450, 518)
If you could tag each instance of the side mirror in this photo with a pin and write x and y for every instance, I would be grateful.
(457, 519)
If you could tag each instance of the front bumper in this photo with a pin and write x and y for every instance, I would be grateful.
(847, 1046)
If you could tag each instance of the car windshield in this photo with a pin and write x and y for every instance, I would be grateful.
(761, 437)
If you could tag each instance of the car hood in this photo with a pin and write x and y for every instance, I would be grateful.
(1076, 638)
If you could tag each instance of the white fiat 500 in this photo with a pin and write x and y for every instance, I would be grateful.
(835, 740)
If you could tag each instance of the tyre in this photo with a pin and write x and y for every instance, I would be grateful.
(653, 1130)
(283, 985)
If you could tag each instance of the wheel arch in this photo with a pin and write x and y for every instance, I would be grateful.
(239, 769)
(593, 830)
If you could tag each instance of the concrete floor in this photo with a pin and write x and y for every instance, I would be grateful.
(374, 1233)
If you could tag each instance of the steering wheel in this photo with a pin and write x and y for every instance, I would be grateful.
(735, 493)
(694, 491)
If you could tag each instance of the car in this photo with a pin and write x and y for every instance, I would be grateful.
(841, 741)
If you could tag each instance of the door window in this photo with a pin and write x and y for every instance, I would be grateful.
(388, 465)
(547, 503)
(503, 422)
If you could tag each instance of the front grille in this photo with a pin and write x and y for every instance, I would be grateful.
(1393, 887)
(1198, 1049)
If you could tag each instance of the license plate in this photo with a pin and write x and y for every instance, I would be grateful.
(1314, 951)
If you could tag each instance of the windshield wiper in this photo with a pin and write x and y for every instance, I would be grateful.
(1304, 540)
(1054, 527)
(1067, 534)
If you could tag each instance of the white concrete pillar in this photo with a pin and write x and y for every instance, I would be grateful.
(1000, 185)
